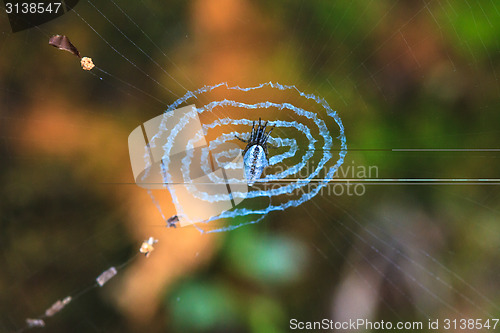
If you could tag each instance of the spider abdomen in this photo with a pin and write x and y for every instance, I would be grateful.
(255, 161)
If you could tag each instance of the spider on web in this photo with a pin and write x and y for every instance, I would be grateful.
(255, 154)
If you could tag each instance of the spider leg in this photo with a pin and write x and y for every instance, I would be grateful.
(260, 134)
(266, 135)
(252, 134)
(237, 137)
(269, 133)
(265, 151)
(263, 134)
(244, 151)
(266, 146)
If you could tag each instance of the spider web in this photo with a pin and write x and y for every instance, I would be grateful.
(416, 86)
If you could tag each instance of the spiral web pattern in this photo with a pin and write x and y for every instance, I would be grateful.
(290, 190)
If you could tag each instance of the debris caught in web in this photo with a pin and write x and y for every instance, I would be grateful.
(35, 322)
(106, 276)
(172, 221)
(63, 43)
(57, 306)
(87, 63)
(148, 246)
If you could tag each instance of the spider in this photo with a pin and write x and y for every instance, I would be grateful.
(172, 221)
(255, 156)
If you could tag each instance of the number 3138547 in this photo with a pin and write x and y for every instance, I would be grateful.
(470, 324)
(32, 7)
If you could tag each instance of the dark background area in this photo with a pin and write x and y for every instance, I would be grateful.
(401, 74)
